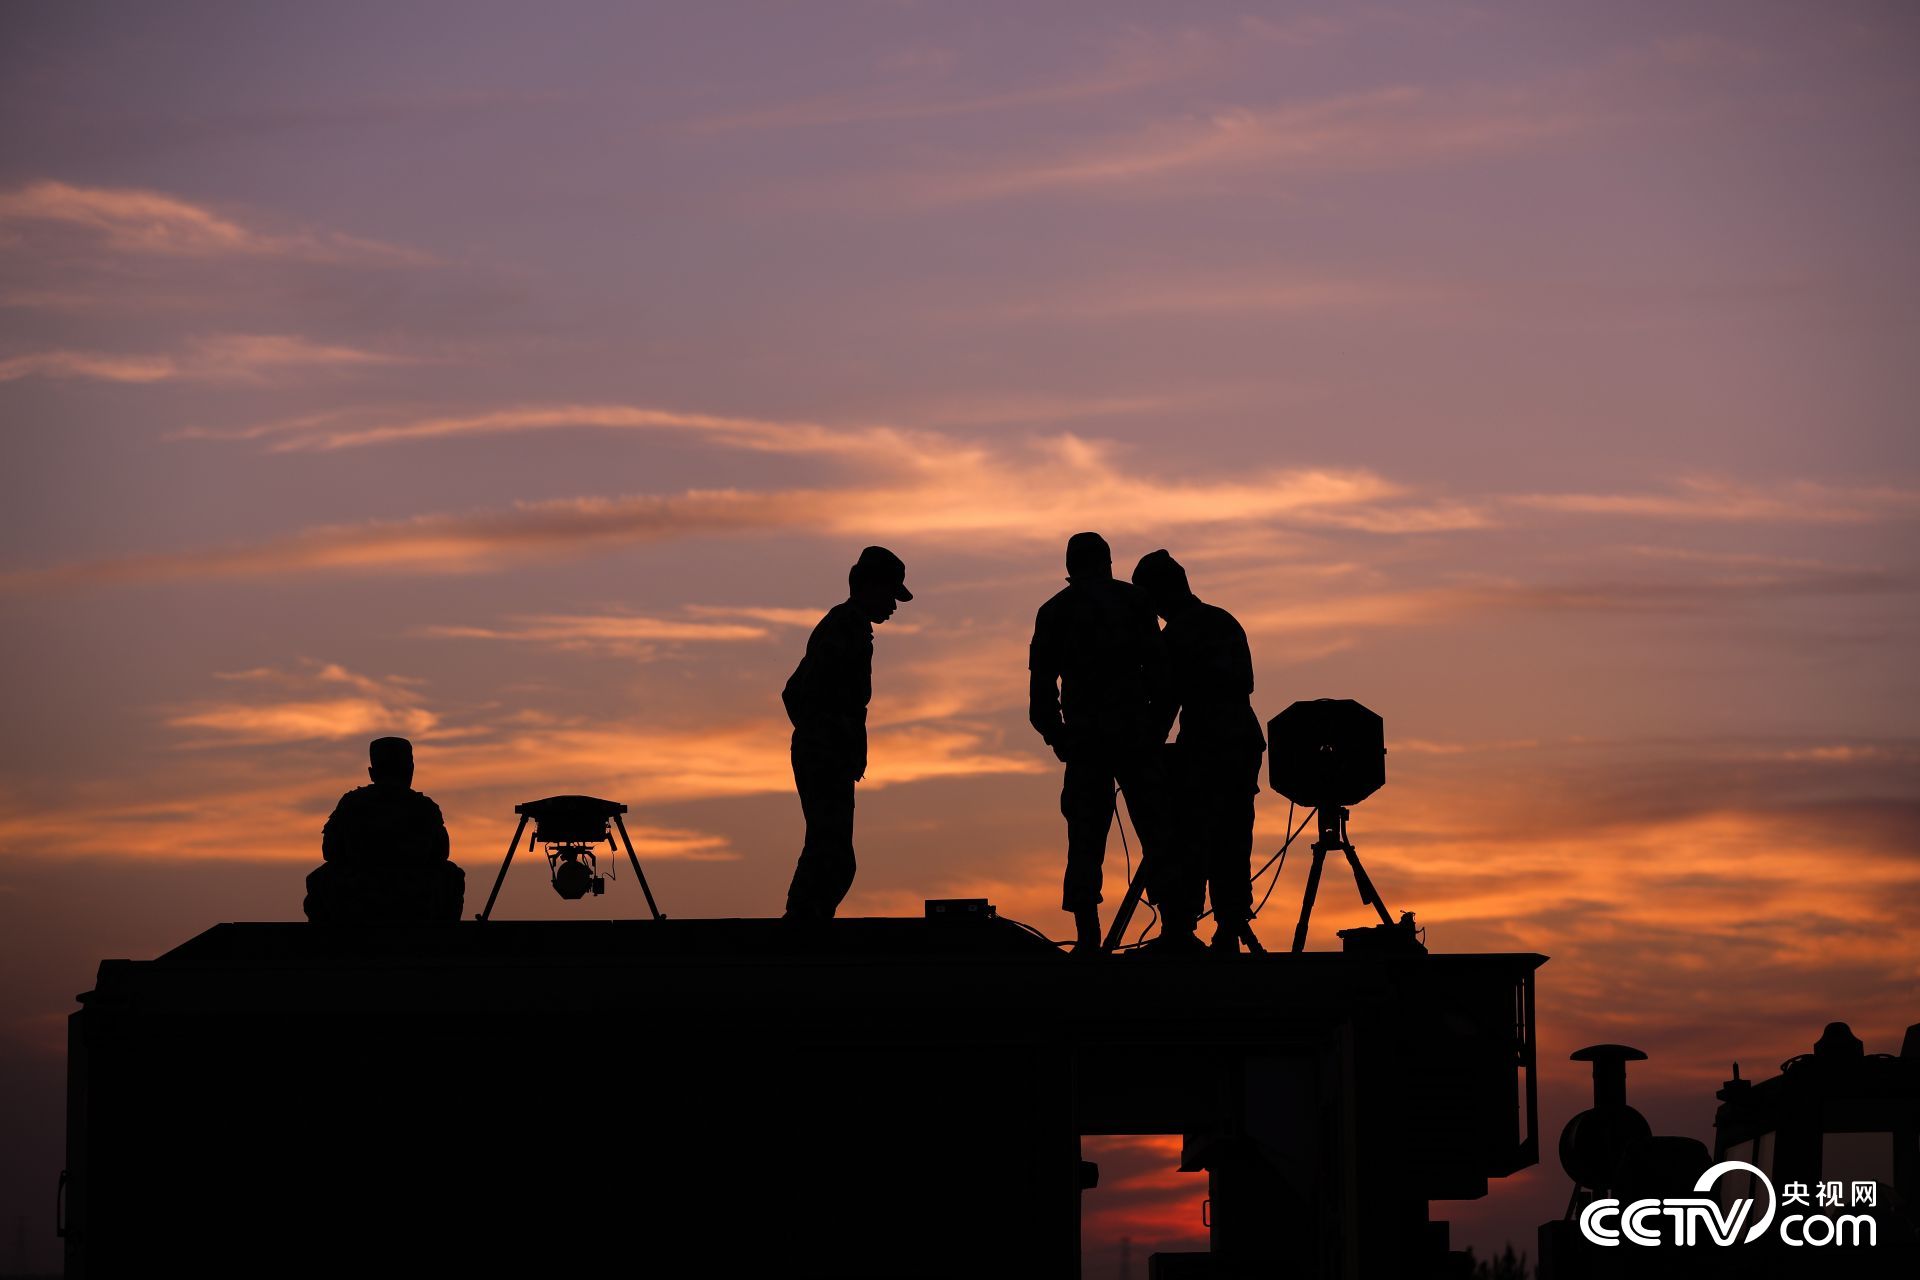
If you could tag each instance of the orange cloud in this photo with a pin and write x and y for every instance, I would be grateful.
(88, 364)
(628, 634)
(447, 544)
(247, 355)
(327, 432)
(915, 484)
(1374, 129)
(1707, 498)
(222, 357)
(1138, 59)
(1222, 295)
(374, 708)
(297, 721)
(149, 222)
(775, 616)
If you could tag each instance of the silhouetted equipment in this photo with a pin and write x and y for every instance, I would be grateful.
(1402, 937)
(1136, 887)
(1840, 1114)
(960, 909)
(1594, 1140)
(572, 827)
(1326, 751)
(1832, 1122)
(1326, 754)
(871, 1097)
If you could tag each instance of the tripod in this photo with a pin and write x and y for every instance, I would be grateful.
(1123, 916)
(1333, 835)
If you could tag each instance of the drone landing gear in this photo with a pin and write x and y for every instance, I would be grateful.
(570, 826)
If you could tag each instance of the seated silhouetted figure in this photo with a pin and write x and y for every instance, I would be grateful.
(386, 851)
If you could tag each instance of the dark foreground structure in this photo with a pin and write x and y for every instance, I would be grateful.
(861, 1097)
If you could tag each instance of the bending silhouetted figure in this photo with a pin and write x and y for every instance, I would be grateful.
(1096, 669)
(386, 851)
(1215, 762)
(826, 700)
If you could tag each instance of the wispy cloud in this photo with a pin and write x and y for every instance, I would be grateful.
(1379, 128)
(330, 431)
(1134, 60)
(1717, 499)
(226, 357)
(311, 701)
(909, 484)
(92, 365)
(766, 613)
(630, 635)
(451, 543)
(131, 220)
(1300, 293)
(247, 355)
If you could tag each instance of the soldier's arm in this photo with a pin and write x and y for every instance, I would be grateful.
(1244, 656)
(793, 696)
(1043, 683)
(333, 836)
(1156, 669)
(802, 695)
(439, 846)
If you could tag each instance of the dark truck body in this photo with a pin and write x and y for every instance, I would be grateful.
(870, 1097)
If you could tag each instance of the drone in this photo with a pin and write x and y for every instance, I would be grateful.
(572, 828)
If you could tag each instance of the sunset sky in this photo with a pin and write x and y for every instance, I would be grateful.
(523, 379)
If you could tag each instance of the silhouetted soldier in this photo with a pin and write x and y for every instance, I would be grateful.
(826, 700)
(1096, 668)
(386, 849)
(1215, 762)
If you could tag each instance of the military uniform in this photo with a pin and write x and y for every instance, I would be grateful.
(826, 699)
(386, 860)
(1215, 770)
(1096, 667)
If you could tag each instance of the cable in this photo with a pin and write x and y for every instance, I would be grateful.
(1281, 857)
(1022, 924)
(1292, 832)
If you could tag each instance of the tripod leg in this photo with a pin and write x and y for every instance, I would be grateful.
(638, 873)
(1123, 915)
(502, 877)
(1368, 894)
(1306, 903)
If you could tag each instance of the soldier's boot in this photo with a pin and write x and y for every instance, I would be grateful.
(1228, 935)
(1086, 925)
(1176, 938)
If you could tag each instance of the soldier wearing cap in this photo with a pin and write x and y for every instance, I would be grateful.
(385, 850)
(826, 699)
(1096, 669)
(1215, 762)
